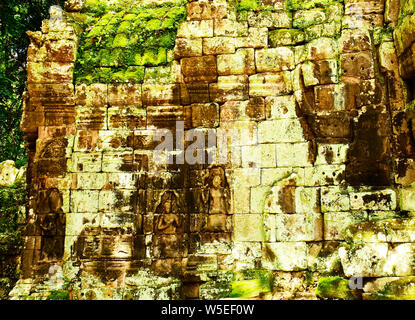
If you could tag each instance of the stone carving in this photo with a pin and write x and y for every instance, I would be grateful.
(54, 148)
(168, 221)
(51, 223)
(217, 194)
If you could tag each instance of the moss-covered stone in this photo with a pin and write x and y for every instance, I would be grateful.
(254, 283)
(400, 289)
(309, 4)
(336, 288)
(123, 34)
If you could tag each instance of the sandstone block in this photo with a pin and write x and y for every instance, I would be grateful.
(195, 29)
(282, 107)
(299, 227)
(284, 256)
(254, 109)
(248, 227)
(199, 69)
(230, 28)
(278, 19)
(260, 156)
(124, 94)
(376, 200)
(281, 130)
(218, 45)
(241, 62)
(307, 200)
(188, 47)
(334, 199)
(268, 84)
(293, 154)
(84, 201)
(274, 59)
(228, 88)
(335, 223)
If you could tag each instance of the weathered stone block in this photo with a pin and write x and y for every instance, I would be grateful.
(260, 156)
(377, 260)
(282, 107)
(49, 72)
(293, 154)
(254, 109)
(334, 199)
(126, 118)
(407, 199)
(257, 38)
(319, 72)
(268, 84)
(335, 223)
(84, 201)
(161, 94)
(281, 130)
(94, 95)
(195, 29)
(355, 40)
(188, 47)
(267, 19)
(375, 200)
(89, 180)
(91, 118)
(248, 227)
(324, 175)
(124, 94)
(229, 88)
(241, 62)
(199, 10)
(199, 69)
(359, 65)
(299, 227)
(218, 45)
(284, 256)
(331, 153)
(274, 59)
(117, 201)
(230, 28)
(85, 162)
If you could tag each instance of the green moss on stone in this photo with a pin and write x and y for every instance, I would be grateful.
(251, 283)
(283, 37)
(58, 295)
(123, 34)
(247, 5)
(335, 288)
(401, 289)
(309, 4)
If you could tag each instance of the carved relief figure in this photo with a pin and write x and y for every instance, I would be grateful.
(168, 220)
(51, 223)
(217, 196)
(168, 240)
(54, 149)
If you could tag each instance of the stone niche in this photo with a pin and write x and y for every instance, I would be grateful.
(316, 174)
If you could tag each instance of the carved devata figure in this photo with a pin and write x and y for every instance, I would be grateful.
(168, 220)
(169, 237)
(217, 196)
(51, 224)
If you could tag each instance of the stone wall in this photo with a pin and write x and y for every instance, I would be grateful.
(317, 180)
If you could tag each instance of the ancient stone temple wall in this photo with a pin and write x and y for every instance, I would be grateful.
(291, 160)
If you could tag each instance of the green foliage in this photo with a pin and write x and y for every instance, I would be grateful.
(16, 17)
(58, 295)
(12, 199)
(309, 4)
(251, 283)
(335, 288)
(124, 36)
